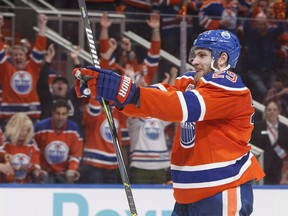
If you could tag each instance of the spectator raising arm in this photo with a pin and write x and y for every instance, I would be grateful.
(18, 78)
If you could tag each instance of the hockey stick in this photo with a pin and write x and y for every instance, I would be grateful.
(107, 109)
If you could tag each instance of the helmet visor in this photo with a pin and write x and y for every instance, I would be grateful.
(192, 54)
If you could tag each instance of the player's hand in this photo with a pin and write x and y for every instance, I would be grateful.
(72, 176)
(50, 53)
(75, 54)
(6, 168)
(42, 19)
(40, 176)
(42, 24)
(154, 21)
(8, 158)
(105, 84)
(105, 22)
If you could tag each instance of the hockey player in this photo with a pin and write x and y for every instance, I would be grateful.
(211, 163)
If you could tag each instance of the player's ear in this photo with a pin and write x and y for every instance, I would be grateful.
(223, 59)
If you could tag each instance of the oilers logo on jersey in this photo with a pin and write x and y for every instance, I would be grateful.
(56, 152)
(20, 162)
(187, 134)
(187, 129)
(151, 129)
(105, 130)
(21, 82)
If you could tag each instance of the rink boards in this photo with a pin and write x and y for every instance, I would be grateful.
(110, 200)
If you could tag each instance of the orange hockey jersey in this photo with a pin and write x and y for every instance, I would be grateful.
(210, 152)
(19, 87)
(99, 149)
(58, 151)
(24, 160)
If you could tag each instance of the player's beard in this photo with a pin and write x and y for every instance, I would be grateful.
(198, 76)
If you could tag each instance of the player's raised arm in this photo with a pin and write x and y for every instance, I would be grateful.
(122, 91)
(42, 24)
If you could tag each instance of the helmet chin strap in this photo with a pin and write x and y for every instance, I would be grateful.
(217, 70)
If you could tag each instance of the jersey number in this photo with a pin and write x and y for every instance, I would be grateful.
(230, 75)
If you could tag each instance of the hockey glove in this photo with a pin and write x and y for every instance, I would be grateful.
(105, 84)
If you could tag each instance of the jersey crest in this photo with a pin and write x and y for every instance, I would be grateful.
(18, 161)
(105, 130)
(187, 134)
(151, 129)
(56, 152)
(21, 82)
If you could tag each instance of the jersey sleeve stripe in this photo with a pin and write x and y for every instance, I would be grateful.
(183, 106)
(94, 110)
(37, 56)
(71, 158)
(195, 106)
(125, 134)
(2, 56)
(160, 86)
(202, 105)
(151, 63)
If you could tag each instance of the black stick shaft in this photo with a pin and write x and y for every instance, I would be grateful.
(107, 108)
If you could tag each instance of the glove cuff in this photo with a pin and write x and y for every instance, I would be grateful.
(125, 87)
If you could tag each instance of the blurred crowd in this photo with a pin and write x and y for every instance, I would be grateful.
(48, 135)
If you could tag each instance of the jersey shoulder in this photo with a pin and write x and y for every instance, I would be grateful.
(71, 125)
(184, 80)
(224, 79)
(44, 124)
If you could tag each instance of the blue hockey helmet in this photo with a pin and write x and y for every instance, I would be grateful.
(218, 41)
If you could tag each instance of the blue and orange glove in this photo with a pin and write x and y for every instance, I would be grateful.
(98, 83)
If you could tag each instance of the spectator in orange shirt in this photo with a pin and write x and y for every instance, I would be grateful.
(60, 145)
(20, 151)
(19, 76)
